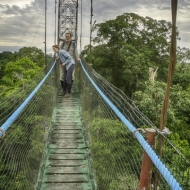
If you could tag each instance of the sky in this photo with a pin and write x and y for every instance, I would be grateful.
(22, 22)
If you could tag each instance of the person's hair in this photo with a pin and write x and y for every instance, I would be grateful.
(69, 33)
(55, 46)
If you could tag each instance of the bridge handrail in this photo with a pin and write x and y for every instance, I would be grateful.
(153, 156)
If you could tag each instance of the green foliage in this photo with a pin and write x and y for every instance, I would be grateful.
(5, 55)
(111, 145)
(183, 144)
(28, 140)
(20, 72)
(34, 54)
(21, 182)
(183, 55)
(37, 135)
(4, 59)
(182, 75)
(19, 136)
(123, 182)
(128, 46)
(150, 103)
(178, 164)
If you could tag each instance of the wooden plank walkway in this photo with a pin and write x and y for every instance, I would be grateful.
(67, 165)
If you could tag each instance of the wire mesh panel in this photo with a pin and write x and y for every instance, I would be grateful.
(21, 149)
(117, 155)
(176, 162)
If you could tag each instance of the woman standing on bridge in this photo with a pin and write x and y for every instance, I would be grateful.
(68, 63)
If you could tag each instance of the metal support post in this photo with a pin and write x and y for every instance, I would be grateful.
(147, 165)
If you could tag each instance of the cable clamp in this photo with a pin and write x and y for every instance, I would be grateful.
(165, 131)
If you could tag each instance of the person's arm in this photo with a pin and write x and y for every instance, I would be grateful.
(56, 56)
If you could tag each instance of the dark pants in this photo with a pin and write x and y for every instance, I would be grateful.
(68, 74)
(68, 78)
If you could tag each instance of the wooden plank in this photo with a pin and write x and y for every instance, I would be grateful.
(67, 156)
(67, 119)
(62, 111)
(68, 123)
(66, 136)
(68, 150)
(70, 109)
(63, 117)
(66, 186)
(65, 127)
(66, 170)
(68, 178)
(68, 102)
(73, 111)
(64, 141)
(67, 144)
(67, 131)
(72, 99)
(65, 113)
(66, 163)
(68, 106)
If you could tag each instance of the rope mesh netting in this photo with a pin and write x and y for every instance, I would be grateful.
(21, 149)
(116, 154)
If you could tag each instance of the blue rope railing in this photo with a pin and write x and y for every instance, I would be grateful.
(172, 182)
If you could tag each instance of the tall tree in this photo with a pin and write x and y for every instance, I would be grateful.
(128, 46)
(4, 59)
(20, 72)
(34, 54)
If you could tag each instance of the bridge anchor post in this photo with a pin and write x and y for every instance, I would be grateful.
(147, 165)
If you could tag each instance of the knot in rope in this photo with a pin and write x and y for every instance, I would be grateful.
(139, 129)
(3, 133)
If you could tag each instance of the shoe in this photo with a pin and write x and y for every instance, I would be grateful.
(61, 93)
(67, 95)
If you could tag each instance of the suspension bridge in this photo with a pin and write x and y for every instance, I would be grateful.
(93, 140)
